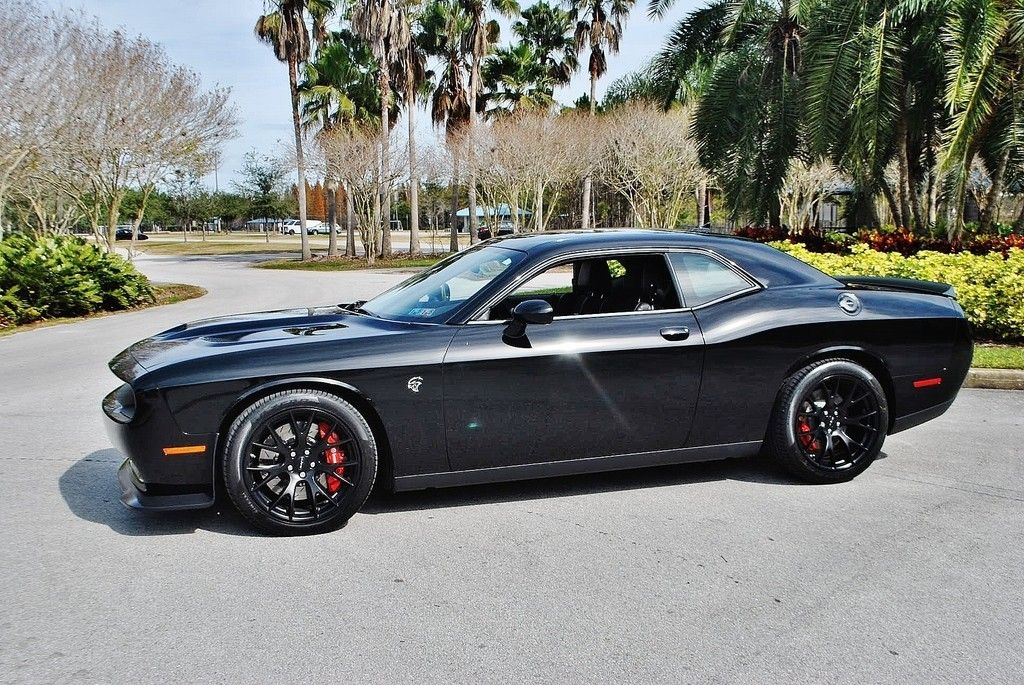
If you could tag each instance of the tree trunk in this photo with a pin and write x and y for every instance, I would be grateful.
(956, 223)
(912, 184)
(908, 192)
(585, 220)
(894, 208)
(332, 219)
(300, 161)
(539, 208)
(702, 195)
(474, 88)
(454, 245)
(995, 193)
(113, 214)
(385, 132)
(414, 174)
(350, 224)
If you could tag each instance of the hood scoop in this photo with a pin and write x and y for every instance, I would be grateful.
(315, 330)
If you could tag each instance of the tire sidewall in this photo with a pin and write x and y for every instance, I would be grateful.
(241, 431)
(789, 411)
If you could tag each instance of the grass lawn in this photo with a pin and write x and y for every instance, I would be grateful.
(215, 247)
(251, 243)
(163, 293)
(350, 263)
(998, 356)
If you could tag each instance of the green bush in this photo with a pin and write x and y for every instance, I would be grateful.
(989, 288)
(43, 277)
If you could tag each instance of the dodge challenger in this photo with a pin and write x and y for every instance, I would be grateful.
(529, 356)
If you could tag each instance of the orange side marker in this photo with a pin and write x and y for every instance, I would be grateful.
(184, 449)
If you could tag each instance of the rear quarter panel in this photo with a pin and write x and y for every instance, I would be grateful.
(756, 341)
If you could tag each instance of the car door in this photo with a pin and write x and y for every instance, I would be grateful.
(585, 385)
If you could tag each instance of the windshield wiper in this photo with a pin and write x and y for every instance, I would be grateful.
(357, 308)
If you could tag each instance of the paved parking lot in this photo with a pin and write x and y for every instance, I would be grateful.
(713, 572)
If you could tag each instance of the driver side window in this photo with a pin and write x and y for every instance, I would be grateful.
(597, 285)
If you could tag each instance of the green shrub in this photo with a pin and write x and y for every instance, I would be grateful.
(49, 276)
(990, 288)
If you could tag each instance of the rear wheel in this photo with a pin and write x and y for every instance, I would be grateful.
(829, 422)
(299, 461)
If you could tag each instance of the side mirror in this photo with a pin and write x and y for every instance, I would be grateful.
(538, 312)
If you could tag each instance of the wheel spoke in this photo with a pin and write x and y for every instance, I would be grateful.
(312, 499)
(329, 496)
(263, 482)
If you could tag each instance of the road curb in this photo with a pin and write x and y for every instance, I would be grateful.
(995, 379)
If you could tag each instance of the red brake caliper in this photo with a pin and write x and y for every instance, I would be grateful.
(333, 455)
(806, 439)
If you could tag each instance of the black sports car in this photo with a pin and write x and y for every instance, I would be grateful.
(529, 356)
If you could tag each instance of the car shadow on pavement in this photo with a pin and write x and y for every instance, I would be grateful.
(754, 470)
(89, 487)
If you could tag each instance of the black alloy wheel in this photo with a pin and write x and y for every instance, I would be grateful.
(300, 461)
(837, 422)
(830, 420)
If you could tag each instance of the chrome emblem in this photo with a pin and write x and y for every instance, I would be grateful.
(414, 383)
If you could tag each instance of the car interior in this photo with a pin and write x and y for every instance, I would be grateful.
(599, 286)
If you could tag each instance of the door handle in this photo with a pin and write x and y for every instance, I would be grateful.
(675, 333)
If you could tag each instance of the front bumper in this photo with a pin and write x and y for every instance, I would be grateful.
(134, 495)
(157, 475)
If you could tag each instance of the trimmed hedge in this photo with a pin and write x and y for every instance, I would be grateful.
(43, 277)
(989, 287)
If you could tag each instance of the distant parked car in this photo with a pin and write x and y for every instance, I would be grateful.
(503, 228)
(313, 227)
(125, 233)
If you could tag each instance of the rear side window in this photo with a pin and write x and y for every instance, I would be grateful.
(703, 279)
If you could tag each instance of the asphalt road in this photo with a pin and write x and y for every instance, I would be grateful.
(724, 572)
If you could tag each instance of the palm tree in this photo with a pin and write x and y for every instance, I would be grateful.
(515, 78)
(378, 23)
(599, 26)
(549, 30)
(480, 41)
(984, 82)
(340, 89)
(412, 74)
(284, 29)
(872, 93)
(444, 23)
(743, 57)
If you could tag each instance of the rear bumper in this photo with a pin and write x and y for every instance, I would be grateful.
(917, 418)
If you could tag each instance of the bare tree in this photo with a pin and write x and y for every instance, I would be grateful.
(351, 156)
(803, 189)
(650, 159)
(88, 114)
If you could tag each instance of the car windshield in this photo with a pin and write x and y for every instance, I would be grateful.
(432, 295)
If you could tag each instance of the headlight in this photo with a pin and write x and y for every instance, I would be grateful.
(120, 404)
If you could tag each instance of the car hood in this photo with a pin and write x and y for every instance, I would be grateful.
(246, 334)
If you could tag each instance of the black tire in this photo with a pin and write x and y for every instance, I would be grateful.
(829, 421)
(336, 466)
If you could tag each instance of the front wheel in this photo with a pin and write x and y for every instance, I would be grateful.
(829, 421)
(299, 462)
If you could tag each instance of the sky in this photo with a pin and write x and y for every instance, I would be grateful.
(215, 39)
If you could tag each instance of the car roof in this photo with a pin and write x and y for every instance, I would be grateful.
(771, 267)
